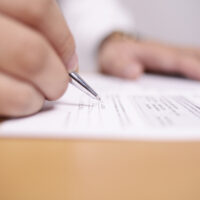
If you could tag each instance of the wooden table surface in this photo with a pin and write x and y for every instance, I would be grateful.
(98, 170)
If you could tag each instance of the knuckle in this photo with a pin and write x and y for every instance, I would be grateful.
(31, 54)
(179, 63)
(59, 89)
(36, 10)
(27, 101)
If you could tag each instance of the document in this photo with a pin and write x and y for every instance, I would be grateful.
(151, 108)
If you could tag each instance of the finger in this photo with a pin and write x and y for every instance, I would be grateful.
(125, 69)
(156, 57)
(26, 55)
(18, 98)
(119, 61)
(45, 16)
(189, 67)
(190, 51)
(160, 58)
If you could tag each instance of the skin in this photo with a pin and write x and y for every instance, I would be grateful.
(37, 52)
(128, 58)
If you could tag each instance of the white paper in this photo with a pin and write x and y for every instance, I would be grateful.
(152, 108)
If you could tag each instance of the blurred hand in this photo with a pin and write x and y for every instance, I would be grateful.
(125, 57)
(37, 51)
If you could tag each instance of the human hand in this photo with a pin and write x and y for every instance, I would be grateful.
(125, 57)
(36, 52)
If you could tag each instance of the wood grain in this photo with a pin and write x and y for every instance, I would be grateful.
(98, 170)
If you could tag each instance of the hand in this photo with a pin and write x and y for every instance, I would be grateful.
(125, 57)
(36, 52)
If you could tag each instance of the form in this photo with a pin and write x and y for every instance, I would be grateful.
(151, 108)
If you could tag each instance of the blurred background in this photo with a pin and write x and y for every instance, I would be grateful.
(176, 21)
(171, 21)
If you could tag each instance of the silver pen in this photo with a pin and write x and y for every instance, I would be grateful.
(81, 84)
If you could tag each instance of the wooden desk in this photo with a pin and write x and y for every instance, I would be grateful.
(90, 170)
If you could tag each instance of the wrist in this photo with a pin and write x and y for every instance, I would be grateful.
(118, 36)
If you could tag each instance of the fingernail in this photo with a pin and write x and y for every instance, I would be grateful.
(72, 65)
(132, 71)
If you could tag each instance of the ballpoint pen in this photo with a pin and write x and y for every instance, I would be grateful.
(83, 85)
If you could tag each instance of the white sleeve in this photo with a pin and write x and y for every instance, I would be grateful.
(92, 20)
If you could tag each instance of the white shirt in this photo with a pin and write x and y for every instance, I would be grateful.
(92, 20)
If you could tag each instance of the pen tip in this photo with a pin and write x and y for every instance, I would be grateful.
(98, 98)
